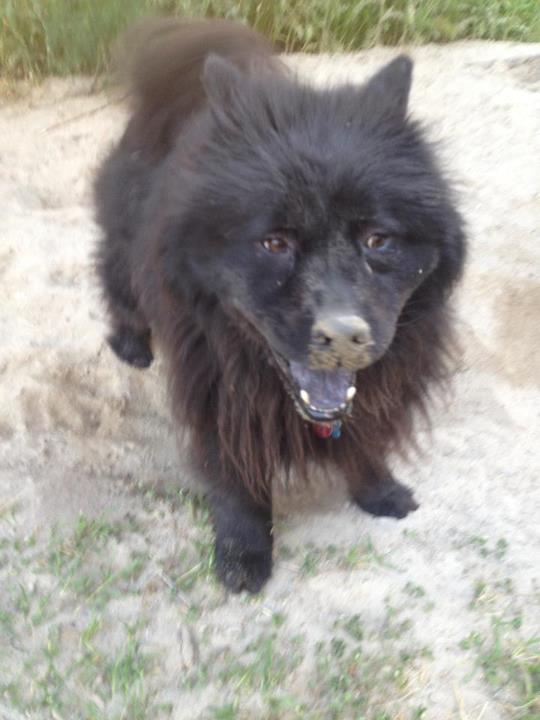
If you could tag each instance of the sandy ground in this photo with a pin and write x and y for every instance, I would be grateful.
(82, 433)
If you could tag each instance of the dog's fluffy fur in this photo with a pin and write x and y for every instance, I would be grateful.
(239, 208)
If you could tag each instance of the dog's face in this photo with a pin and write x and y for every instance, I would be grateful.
(318, 218)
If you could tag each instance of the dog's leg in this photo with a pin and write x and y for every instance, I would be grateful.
(130, 335)
(130, 345)
(243, 550)
(243, 532)
(373, 488)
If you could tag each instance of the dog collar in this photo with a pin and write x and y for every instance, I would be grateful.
(328, 430)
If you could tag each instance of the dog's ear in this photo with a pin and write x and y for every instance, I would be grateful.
(220, 80)
(388, 90)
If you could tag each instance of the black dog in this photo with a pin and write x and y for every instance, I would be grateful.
(292, 250)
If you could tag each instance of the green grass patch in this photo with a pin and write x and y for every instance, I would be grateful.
(503, 649)
(73, 634)
(313, 559)
(68, 668)
(115, 620)
(350, 683)
(61, 37)
(510, 664)
(483, 547)
(354, 672)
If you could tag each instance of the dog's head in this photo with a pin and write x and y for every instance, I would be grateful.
(318, 216)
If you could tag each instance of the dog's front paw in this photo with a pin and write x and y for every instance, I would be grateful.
(133, 349)
(241, 568)
(393, 500)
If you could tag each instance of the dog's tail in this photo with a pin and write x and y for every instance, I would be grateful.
(162, 60)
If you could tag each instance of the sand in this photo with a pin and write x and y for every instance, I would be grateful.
(82, 433)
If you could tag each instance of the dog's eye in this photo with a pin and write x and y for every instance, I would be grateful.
(276, 243)
(378, 241)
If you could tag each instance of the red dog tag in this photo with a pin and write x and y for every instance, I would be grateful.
(322, 430)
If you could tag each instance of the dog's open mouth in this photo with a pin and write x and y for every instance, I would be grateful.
(320, 395)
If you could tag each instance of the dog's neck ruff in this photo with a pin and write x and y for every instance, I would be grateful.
(328, 430)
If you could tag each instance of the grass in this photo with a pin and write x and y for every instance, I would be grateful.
(510, 664)
(314, 559)
(107, 621)
(72, 668)
(506, 653)
(80, 632)
(481, 545)
(346, 675)
(65, 650)
(62, 37)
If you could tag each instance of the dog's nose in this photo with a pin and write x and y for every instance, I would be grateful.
(350, 330)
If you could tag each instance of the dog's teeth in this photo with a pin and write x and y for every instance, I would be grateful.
(305, 396)
(351, 392)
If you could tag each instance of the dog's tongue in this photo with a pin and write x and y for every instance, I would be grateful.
(326, 389)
